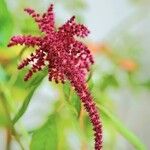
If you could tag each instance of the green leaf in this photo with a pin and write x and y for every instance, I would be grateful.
(89, 76)
(32, 85)
(3, 119)
(75, 101)
(36, 79)
(66, 89)
(108, 80)
(24, 106)
(29, 26)
(119, 126)
(5, 24)
(72, 98)
(90, 85)
(2, 74)
(46, 137)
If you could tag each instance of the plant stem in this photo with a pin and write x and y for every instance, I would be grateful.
(8, 135)
(10, 125)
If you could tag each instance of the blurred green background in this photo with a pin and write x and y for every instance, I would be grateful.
(40, 115)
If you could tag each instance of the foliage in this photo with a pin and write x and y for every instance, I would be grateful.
(66, 116)
(45, 138)
(5, 23)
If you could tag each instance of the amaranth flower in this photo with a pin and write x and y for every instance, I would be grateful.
(66, 57)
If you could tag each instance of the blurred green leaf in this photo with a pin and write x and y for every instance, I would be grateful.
(87, 128)
(29, 26)
(6, 24)
(37, 78)
(89, 76)
(75, 101)
(33, 84)
(46, 137)
(3, 119)
(34, 81)
(2, 74)
(89, 80)
(66, 89)
(108, 80)
(24, 106)
(72, 98)
(90, 85)
(119, 126)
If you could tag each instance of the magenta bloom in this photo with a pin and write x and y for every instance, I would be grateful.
(67, 59)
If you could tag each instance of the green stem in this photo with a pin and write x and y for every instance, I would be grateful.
(8, 144)
(6, 105)
(10, 124)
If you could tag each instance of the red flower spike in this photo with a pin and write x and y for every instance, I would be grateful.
(66, 58)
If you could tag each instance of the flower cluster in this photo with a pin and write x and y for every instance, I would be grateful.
(66, 58)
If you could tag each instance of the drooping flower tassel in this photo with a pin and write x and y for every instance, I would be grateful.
(65, 57)
(83, 92)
